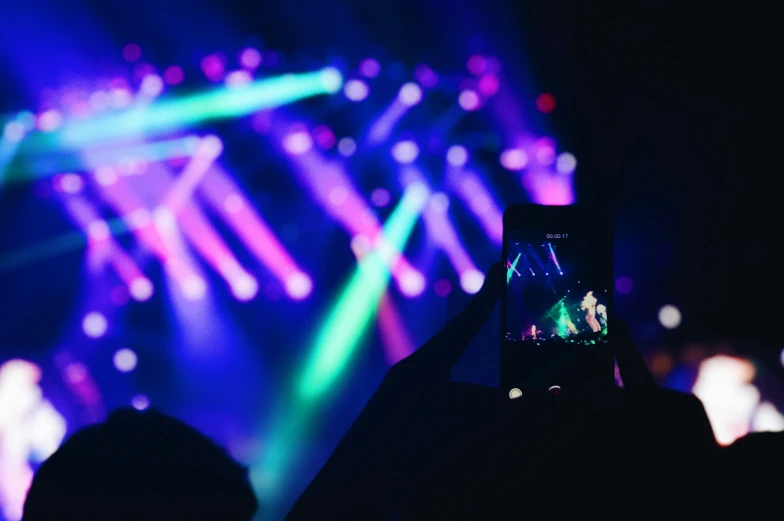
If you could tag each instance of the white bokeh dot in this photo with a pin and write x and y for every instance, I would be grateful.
(125, 360)
(669, 316)
(94, 324)
(298, 286)
(472, 280)
(456, 155)
(412, 283)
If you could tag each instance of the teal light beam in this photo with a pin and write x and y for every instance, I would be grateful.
(335, 342)
(357, 305)
(64, 243)
(168, 115)
(512, 268)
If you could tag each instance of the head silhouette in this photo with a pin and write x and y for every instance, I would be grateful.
(140, 465)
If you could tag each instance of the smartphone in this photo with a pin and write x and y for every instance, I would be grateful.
(559, 290)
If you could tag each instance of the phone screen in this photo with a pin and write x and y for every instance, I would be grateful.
(557, 287)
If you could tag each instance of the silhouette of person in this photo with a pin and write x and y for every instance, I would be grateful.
(427, 448)
(140, 465)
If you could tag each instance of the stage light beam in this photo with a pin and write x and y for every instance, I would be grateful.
(344, 326)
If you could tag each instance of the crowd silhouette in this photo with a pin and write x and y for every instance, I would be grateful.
(426, 448)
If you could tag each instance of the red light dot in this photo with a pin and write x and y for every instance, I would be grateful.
(545, 103)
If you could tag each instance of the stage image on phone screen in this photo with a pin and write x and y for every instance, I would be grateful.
(557, 288)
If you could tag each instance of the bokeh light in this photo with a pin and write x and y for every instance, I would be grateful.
(514, 159)
(405, 152)
(298, 142)
(545, 103)
(457, 155)
(370, 68)
(471, 281)
(125, 360)
(380, 197)
(624, 285)
(469, 100)
(670, 316)
(94, 324)
(174, 75)
(410, 94)
(566, 163)
(250, 58)
(356, 90)
(299, 286)
(141, 289)
(132, 52)
(140, 402)
(442, 287)
(347, 146)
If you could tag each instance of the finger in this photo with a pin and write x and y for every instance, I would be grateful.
(437, 357)
(634, 373)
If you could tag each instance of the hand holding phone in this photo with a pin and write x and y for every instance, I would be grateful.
(556, 308)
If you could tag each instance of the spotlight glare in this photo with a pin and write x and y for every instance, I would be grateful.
(125, 360)
(356, 90)
(298, 286)
(405, 152)
(410, 94)
(471, 281)
(94, 324)
(670, 316)
(457, 155)
(141, 289)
